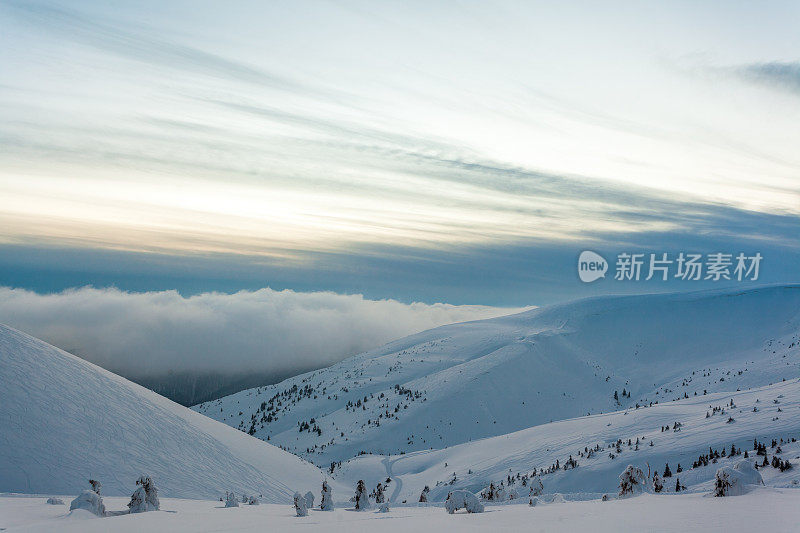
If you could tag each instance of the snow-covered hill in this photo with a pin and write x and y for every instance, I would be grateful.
(765, 413)
(64, 420)
(463, 382)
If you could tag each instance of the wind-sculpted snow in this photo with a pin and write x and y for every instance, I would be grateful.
(64, 420)
(474, 380)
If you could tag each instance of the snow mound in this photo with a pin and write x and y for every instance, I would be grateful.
(89, 500)
(66, 420)
(462, 499)
(736, 480)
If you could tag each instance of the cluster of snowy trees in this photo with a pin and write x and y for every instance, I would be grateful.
(530, 486)
(144, 498)
(462, 499)
(304, 502)
(625, 394)
(728, 481)
(378, 408)
(508, 489)
(489, 492)
(361, 499)
(231, 500)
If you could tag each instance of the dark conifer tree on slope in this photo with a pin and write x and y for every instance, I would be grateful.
(423, 497)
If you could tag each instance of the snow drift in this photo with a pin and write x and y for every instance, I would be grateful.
(65, 420)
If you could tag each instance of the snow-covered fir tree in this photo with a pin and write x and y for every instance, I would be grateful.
(536, 486)
(631, 482)
(361, 497)
(300, 504)
(230, 500)
(658, 485)
(326, 501)
(145, 497)
(423, 497)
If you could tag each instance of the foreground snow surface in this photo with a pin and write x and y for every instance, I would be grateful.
(773, 510)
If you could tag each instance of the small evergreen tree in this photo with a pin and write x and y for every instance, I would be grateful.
(423, 497)
(361, 498)
(230, 500)
(658, 486)
(326, 501)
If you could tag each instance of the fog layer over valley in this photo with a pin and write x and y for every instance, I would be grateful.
(192, 349)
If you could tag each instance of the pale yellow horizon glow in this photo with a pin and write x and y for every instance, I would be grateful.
(213, 133)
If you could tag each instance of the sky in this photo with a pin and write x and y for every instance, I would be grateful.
(438, 152)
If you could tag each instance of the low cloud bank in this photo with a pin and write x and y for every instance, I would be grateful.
(154, 334)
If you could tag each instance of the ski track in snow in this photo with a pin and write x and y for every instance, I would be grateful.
(396, 480)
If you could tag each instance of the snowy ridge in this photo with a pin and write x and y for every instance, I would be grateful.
(474, 380)
(65, 420)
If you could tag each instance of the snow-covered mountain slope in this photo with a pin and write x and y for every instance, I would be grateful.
(474, 380)
(64, 420)
(476, 464)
